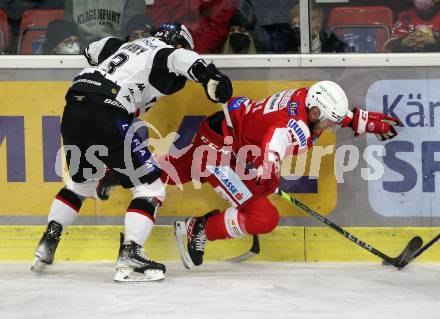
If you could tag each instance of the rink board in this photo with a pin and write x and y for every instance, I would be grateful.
(29, 141)
(286, 243)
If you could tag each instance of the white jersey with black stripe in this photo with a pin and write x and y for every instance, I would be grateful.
(142, 71)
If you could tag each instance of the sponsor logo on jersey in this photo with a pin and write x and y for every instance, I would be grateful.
(285, 99)
(272, 102)
(150, 42)
(79, 98)
(292, 108)
(113, 102)
(86, 81)
(299, 133)
(278, 101)
(236, 103)
(231, 182)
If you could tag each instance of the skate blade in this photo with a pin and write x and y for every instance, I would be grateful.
(129, 275)
(181, 238)
(38, 266)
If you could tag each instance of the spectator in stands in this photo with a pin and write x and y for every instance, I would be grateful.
(322, 40)
(395, 5)
(15, 8)
(417, 29)
(61, 38)
(206, 19)
(139, 26)
(273, 33)
(239, 39)
(97, 19)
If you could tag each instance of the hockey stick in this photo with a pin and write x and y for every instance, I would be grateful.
(255, 250)
(420, 251)
(414, 244)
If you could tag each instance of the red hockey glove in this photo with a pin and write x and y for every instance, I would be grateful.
(362, 121)
(268, 172)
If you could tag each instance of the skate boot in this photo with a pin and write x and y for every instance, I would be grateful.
(133, 265)
(191, 239)
(47, 245)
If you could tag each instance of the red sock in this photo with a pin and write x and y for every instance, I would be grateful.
(215, 227)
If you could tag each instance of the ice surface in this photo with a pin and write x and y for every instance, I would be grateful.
(223, 290)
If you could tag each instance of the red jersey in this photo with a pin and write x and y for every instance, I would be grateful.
(277, 123)
(407, 22)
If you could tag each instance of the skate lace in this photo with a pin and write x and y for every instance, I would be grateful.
(140, 252)
(200, 241)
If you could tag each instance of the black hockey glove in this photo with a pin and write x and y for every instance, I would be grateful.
(218, 87)
(107, 184)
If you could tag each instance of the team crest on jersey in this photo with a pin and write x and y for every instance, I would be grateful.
(292, 108)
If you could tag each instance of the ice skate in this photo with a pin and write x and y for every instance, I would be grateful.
(191, 239)
(45, 252)
(133, 265)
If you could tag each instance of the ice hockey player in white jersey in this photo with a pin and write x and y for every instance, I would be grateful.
(125, 80)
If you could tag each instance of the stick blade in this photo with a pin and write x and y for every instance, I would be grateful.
(255, 250)
(411, 248)
(419, 252)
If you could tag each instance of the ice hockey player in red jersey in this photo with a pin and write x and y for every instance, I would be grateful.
(266, 131)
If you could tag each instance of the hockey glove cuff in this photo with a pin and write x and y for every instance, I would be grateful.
(362, 121)
(218, 87)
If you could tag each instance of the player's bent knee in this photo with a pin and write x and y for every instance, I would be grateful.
(154, 190)
(271, 221)
(85, 189)
(262, 221)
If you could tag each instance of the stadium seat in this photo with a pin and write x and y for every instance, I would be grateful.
(4, 31)
(33, 28)
(365, 29)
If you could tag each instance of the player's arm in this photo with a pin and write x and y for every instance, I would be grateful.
(276, 142)
(100, 50)
(362, 121)
(218, 87)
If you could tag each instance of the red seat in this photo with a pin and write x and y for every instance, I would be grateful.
(365, 28)
(4, 31)
(33, 27)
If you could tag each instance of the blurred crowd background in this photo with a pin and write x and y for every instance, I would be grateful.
(225, 26)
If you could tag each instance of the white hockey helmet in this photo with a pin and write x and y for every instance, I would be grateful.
(330, 99)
